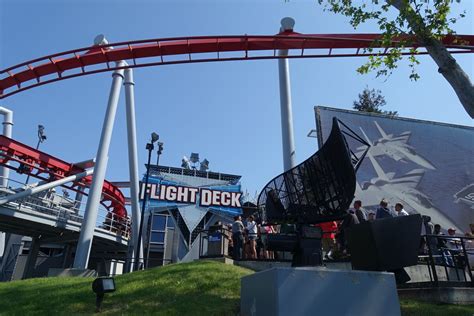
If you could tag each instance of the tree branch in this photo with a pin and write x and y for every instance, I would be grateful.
(448, 67)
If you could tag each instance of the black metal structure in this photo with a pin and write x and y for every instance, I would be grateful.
(320, 189)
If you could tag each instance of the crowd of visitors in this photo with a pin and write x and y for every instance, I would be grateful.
(250, 238)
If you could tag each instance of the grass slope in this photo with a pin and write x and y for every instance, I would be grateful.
(198, 288)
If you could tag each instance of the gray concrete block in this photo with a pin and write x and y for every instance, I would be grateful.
(71, 272)
(319, 291)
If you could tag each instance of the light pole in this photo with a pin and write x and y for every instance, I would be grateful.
(159, 152)
(41, 138)
(149, 147)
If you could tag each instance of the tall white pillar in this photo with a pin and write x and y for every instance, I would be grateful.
(92, 207)
(4, 171)
(7, 131)
(288, 142)
(132, 161)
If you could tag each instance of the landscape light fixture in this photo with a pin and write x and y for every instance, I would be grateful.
(150, 147)
(100, 286)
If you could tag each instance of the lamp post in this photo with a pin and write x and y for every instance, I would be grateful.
(159, 152)
(41, 138)
(149, 147)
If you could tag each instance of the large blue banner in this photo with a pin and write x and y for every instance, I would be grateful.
(426, 166)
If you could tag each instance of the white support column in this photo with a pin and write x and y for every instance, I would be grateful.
(288, 143)
(92, 207)
(132, 161)
(7, 131)
(4, 171)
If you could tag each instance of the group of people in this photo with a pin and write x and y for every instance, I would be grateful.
(444, 248)
(334, 238)
(249, 239)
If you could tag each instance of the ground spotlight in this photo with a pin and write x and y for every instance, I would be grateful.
(100, 286)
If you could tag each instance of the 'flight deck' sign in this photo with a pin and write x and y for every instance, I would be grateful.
(191, 195)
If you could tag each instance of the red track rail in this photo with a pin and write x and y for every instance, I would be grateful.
(178, 50)
(25, 159)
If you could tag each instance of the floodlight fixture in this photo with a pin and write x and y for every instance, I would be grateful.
(100, 286)
(41, 136)
(287, 24)
(194, 157)
(100, 40)
(159, 152)
(185, 163)
(154, 137)
(204, 165)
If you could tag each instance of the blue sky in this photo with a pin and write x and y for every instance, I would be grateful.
(228, 112)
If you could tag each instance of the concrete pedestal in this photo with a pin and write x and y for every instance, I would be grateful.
(319, 291)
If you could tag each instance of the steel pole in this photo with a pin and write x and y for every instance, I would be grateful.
(84, 243)
(285, 103)
(132, 160)
(7, 131)
(4, 171)
(145, 195)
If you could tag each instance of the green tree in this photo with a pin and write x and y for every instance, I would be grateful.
(372, 101)
(419, 22)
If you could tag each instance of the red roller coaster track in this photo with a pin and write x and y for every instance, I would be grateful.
(178, 50)
(166, 51)
(25, 159)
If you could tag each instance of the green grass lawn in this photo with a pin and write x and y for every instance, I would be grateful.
(415, 308)
(198, 288)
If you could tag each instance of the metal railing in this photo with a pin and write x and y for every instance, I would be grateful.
(451, 253)
(64, 208)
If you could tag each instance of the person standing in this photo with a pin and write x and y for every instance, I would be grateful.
(383, 211)
(252, 236)
(347, 223)
(400, 211)
(359, 211)
(237, 237)
(329, 238)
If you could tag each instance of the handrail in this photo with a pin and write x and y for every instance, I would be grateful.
(25, 159)
(64, 208)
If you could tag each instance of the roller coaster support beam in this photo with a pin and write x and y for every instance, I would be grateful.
(285, 101)
(7, 131)
(46, 186)
(4, 171)
(132, 162)
(92, 207)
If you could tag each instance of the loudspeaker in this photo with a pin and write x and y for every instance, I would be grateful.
(385, 244)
